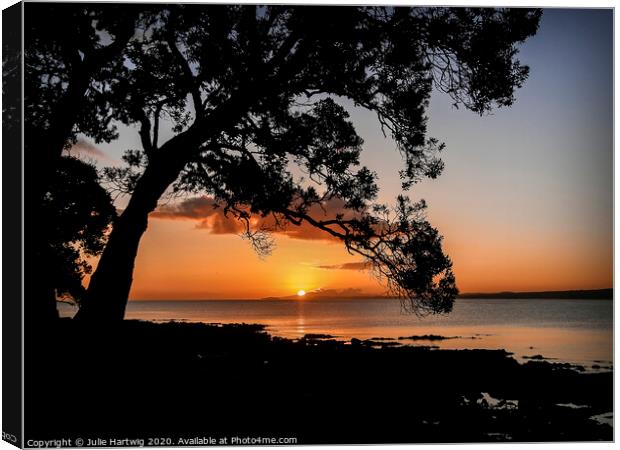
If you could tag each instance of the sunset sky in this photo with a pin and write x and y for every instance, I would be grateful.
(525, 201)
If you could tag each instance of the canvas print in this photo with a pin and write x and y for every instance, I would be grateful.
(292, 224)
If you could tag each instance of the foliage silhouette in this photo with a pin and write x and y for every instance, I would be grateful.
(71, 225)
(72, 53)
(252, 90)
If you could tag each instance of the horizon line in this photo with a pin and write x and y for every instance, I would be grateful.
(369, 296)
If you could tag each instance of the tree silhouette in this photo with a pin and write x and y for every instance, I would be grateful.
(72, 52)
(71, 224)
(252, 90)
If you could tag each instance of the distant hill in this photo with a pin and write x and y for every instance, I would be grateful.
(600, 294)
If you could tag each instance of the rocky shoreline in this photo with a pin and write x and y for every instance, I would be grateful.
(183, 379)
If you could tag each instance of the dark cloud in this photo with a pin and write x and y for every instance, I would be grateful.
(204, 210)
(209, 216)
(192, 208)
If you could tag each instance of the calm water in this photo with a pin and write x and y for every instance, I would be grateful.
(578, 331)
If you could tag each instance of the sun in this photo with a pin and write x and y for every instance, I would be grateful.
(301, 293)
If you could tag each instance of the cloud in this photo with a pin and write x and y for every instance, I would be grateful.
(204, 210)
(346, 266)
(192, 208)
(210, 217)
(86, 149)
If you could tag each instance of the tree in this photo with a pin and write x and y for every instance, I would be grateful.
(71, 224)
(252, 90)
(72, 52)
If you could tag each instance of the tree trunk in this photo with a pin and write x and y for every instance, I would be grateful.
(42, 303)
(108, 291)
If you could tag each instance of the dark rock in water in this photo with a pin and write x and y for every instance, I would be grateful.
(318, 336)
(427, 337)
(577, 367)
(538, 357)
(382, 339)
(557, 366)
(375, 343)
(356, 342)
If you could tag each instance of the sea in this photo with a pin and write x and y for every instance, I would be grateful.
(568, 331)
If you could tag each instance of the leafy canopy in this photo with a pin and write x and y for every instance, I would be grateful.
(72, 58)
(73, 220)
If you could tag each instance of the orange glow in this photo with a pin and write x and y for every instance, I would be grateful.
(176, 260)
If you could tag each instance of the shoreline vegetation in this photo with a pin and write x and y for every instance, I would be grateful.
(187, 379)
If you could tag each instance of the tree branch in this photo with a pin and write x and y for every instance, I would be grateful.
(187, 73)
(156, 114)
(145, 133)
